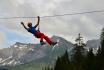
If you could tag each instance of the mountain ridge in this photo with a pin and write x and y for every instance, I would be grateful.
(21, 53)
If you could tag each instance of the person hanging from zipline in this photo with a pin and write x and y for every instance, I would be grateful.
(37, 33)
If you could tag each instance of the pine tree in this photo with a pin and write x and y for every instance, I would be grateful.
(90, 60)
(57, 66)
(97, 59)
(78, 55)
(63, 62)
(100, 54)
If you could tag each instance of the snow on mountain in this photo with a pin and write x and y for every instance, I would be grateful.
(12, 55)
(21, 53)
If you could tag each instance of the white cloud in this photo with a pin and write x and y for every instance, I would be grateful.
(67, 26)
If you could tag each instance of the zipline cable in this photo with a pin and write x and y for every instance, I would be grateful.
(78, 13)
(75, 13)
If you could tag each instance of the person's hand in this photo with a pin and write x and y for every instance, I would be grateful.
(22, 23)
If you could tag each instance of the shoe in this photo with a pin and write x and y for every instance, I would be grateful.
(42, 42)
(54, 43)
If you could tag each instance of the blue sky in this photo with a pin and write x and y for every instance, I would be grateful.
(89, 25)
(12, 37)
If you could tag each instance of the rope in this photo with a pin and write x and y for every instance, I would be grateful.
(78, 13)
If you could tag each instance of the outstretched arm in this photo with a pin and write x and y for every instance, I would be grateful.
(24, 25)
(37, 22)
